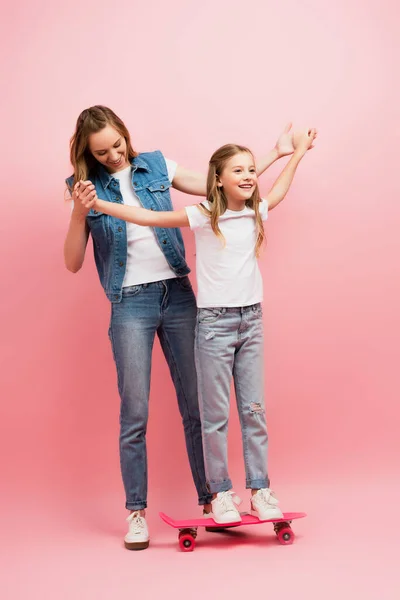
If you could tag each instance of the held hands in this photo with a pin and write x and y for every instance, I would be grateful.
(289, 141)
(303, 140)
(84, 196)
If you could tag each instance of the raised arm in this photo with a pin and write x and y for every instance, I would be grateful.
(195, 183)
(283, 147)
(190, 182)
(284, 181)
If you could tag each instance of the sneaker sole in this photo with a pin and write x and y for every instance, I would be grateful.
(137, 545)
(227, 523)
(220, 528)
(254, 513)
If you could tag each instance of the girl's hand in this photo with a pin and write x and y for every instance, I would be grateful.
(303, 140)
(284, 146)
(85, 195)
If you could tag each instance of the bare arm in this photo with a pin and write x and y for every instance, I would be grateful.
(284, 181)
(190, 182)
(76, 239)
(142, 216)
(283, 147)
(266, 161)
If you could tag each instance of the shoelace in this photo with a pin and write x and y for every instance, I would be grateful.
(267, 496)
(228, 500)
(136, 522)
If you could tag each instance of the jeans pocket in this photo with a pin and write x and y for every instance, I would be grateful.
(184, 283)
(257, 311)
(208, 315)
(132, 290)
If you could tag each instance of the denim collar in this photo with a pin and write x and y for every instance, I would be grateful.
(136, 162)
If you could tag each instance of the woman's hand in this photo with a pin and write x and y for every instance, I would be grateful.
(284, 145)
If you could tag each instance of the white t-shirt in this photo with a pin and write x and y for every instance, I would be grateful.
(227, 275)
(145, 261)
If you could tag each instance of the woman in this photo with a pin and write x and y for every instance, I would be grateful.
(144, 275)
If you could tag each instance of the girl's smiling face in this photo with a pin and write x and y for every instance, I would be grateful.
(238, 177)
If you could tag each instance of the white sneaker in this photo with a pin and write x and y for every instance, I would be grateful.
(224, 509)
(137, 537)
(264, 505)
(216, 528)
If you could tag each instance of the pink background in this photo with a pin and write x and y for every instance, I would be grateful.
(187, 77)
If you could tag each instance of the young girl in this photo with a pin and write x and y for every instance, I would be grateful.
(229, 234)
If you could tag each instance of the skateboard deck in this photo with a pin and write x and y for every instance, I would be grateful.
(188, 527)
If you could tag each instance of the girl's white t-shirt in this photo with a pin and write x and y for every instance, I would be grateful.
(227, 275)
(145, 260)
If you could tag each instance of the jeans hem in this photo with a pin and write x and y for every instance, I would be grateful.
(205, 500)
(137, 506)
(224, 486)
(257, 484)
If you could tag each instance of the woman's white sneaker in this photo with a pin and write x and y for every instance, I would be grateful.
(264, 505)
(137, 537)
(224, 509)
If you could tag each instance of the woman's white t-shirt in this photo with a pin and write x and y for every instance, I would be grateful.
(227, 275)
(145, 260)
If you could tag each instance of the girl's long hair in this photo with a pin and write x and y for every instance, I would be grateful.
(92, 120)
(216, 196)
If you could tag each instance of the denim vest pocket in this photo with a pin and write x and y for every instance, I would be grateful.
(160, 191)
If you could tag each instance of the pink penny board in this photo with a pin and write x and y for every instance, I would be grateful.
(188, 527)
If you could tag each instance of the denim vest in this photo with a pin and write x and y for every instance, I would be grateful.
(151, 184)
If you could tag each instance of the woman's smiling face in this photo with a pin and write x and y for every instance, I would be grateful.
(108, 146)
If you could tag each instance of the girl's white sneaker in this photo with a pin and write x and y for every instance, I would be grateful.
(224, 509)
(264, 505)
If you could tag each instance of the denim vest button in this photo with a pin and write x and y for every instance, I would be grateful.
(135, 183)
(119, 228)
(161, 187)
(121, 264)
(164, 241)
(95, 212)
(116, 297)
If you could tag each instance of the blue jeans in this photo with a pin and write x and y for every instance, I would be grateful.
(167, 308)
(229, 341)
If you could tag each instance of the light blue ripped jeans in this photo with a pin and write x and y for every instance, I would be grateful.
(229, 341)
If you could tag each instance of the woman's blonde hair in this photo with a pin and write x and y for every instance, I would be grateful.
(216, 196)
(92, 120)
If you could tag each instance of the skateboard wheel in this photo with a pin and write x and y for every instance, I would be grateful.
(186, 542)
(285, 536)
(189, 531)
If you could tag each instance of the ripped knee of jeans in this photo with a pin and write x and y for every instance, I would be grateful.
(255, 407)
